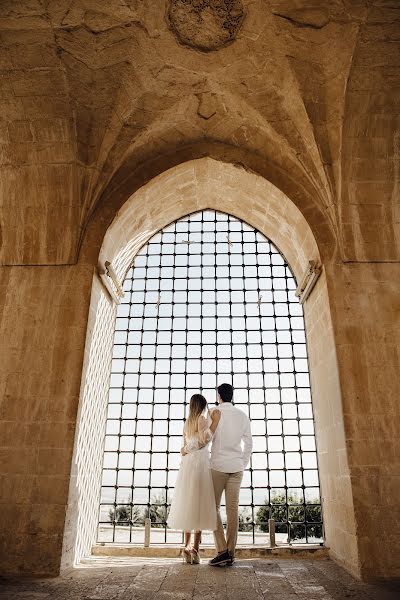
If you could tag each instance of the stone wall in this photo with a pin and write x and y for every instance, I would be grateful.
(365, 302)
(336, 490)
(43, 318)
(87, 462)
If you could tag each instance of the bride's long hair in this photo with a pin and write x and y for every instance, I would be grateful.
(198, 404)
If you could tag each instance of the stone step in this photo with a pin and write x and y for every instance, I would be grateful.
(173, 551)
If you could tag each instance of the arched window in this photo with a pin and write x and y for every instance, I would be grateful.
(209, 300)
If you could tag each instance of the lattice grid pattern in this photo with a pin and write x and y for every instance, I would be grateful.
(209, 300)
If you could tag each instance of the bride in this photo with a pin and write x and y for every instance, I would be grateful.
(193, 505)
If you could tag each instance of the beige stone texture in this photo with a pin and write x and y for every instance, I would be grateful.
(43, 321)
(87, 463)
(111, 127)
(366, 312)
(337, 501)
(165, 551)
(151, 578)
(206, 183)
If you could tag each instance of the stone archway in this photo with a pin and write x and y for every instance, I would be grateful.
(191, 186)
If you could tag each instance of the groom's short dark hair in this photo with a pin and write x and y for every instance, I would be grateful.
(226, 392)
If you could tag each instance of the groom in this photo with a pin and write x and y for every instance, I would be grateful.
(228, 461)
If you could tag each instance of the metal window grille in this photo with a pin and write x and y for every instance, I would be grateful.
(209, 300)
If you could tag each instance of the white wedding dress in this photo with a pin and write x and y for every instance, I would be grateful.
(193, 505)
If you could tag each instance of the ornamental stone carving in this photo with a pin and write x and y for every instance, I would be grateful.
(205, 24)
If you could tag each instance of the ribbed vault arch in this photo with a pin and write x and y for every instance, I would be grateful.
(207, 183)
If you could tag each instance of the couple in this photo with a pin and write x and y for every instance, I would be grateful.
(200, 483)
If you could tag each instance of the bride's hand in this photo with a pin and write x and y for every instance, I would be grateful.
(183, 451)
(215, 417)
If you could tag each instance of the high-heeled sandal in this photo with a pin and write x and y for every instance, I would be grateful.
(186, 554)
(195, 557)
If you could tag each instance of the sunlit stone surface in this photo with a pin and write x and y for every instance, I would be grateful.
(163, 579)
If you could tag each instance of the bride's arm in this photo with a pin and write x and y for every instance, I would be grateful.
(207, 429)
(190, 446)
(215, 417)
(206, 432)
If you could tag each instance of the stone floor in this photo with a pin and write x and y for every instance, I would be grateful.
(104, 578)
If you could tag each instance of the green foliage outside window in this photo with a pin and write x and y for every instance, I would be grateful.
(245, 520)
(294, 514)
(158, 511)
(125, 514)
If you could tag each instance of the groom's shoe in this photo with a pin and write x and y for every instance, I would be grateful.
(221, 560)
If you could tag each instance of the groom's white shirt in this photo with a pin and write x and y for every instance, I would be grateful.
(227, 453)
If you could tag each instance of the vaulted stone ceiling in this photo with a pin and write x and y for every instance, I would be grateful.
(97, 97)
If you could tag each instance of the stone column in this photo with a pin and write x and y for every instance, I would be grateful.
(365, 304)
(337, 501)
(44, 312)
